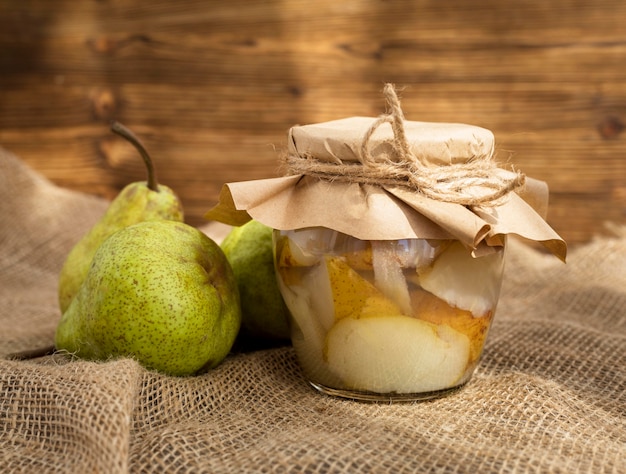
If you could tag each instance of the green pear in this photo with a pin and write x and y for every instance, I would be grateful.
(248, 249)
(137, 202)
(161, 292)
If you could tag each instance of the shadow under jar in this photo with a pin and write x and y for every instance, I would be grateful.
(386, 319)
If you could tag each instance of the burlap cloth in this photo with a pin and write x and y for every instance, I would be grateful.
(549, 395)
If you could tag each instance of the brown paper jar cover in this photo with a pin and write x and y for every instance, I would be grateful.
(388, 212)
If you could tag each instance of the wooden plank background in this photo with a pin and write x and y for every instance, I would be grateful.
(213, 86)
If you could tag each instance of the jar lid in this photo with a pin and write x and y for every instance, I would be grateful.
(434, 143)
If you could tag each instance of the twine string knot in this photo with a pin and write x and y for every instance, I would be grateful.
(476, 182)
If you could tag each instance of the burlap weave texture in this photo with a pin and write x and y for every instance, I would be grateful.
(549, 395)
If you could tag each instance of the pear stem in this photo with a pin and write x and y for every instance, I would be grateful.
(124, 132)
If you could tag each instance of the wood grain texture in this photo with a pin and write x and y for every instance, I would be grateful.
(212, 87)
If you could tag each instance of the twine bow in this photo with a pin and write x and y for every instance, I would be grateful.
(476, 182)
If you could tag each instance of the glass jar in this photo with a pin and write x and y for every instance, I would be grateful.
(386, 320)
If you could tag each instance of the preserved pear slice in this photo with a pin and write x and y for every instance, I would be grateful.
(434, 310)
(290, 254)
(388, 275)
(465, 282)
(307, 333)
(353, 295)
(396, 354)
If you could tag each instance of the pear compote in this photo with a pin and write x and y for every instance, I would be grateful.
(386, 319)
(393, 303)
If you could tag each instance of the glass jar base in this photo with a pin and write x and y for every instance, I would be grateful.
(365, 396)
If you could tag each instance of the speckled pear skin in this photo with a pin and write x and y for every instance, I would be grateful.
(161, 292)
(248, 249)
(135, 203)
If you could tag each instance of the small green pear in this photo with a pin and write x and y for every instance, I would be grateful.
(137, 202)
(161, 292)
(248, 249)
